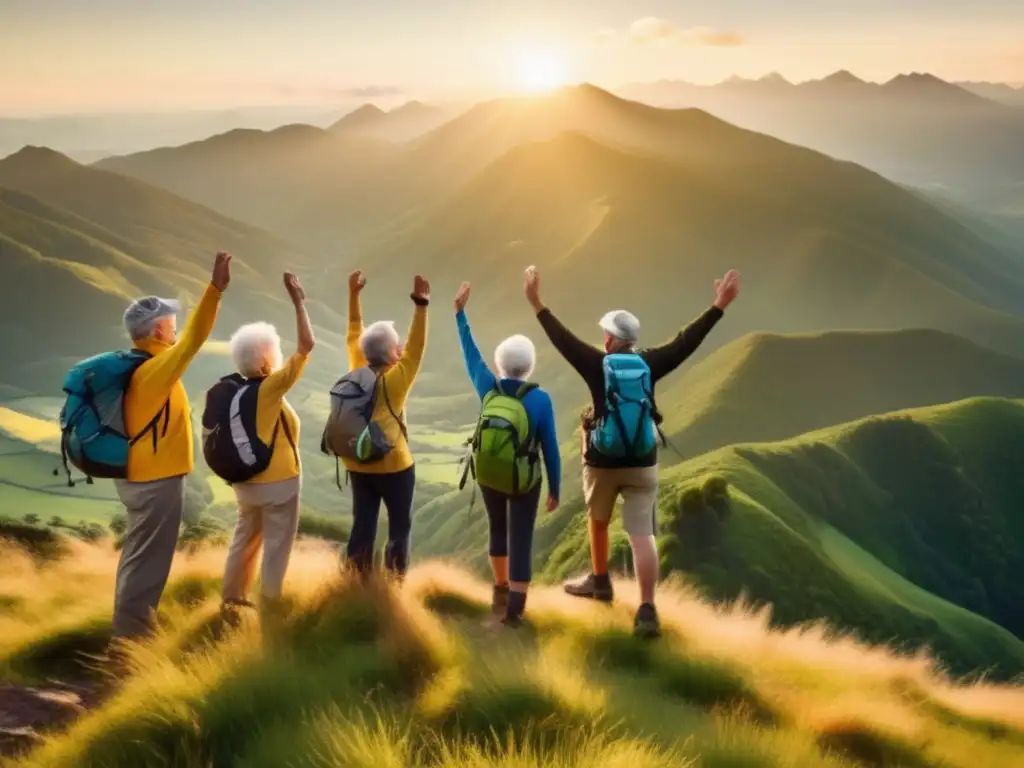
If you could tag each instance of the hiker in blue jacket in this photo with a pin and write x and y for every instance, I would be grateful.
(511, 511)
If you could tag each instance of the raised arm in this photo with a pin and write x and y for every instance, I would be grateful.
(666, 358)
(404, 372)
(483, 380)
(580, 355)
(277, 384)
(160, 373)
(356, 358)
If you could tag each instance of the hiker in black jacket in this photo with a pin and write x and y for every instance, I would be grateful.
(630, 474)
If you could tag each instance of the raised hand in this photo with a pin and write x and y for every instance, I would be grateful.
(462, 297)
(531, 287)
(221, 271)
(356, 282)
(420, 287)
(294, 288)
(552, 503)
(727, 289)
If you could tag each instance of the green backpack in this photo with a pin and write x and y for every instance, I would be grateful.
(504, 451)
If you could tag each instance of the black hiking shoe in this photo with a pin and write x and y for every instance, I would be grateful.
(499, 599)
(646, 624)
(592, 587)
(512, 622)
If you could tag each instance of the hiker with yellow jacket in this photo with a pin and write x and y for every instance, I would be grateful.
(377, 458)
(156, 412)
(268, 501)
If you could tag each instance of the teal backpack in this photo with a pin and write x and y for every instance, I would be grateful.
(504, 454)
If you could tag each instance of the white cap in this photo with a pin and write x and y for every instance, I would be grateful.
(621, 324)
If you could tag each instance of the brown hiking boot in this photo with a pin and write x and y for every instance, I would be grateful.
(593, 587)
(499, 599)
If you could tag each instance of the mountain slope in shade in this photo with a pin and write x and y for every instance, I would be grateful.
(412, 119)
(915, 128)
(767, 387)
(1012, 95)
(821, 245)
(273, 178)
(79, 243)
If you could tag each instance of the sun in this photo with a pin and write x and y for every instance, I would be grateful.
(541, 71)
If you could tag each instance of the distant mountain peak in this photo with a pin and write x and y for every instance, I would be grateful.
(409, 106)
(774, 78)
(364, 115)
(928, 85)
(843, 77)
(40, 158)
(918, 78)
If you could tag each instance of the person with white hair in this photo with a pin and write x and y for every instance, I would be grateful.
(268, 504)
(511, 511)
(620, 450)
(390, 479)
(156, 413)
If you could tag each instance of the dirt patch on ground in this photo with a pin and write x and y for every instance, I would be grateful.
(27, 712)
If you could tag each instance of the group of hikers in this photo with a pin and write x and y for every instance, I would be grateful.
(127, 417)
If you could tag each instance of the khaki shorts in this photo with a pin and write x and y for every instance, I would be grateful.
(638, 487)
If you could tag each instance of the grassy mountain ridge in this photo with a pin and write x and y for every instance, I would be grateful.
(610, 228)
(91, 240)
(278, 179)
(902, 528)
(416, 676)
(766, 387)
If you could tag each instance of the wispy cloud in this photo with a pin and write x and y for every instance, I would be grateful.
(652, 30)
(372, 92)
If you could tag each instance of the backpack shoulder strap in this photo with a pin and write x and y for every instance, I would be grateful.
(526, 388)
(387, 401)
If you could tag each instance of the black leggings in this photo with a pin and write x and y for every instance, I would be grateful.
(368, 491)
(512, 519)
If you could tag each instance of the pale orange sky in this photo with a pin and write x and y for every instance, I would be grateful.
(65, 55)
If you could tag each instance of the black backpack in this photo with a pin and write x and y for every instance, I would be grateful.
(231, 446)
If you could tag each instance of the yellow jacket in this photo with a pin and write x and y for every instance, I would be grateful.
(270, 406)
(168, 450)
(397, 379)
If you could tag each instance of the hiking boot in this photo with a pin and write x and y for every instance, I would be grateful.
(593, 587)
(499, 599)
(646, 624)
(512, 622)
(231, 611)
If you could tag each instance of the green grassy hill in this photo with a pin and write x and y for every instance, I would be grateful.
(900, 527)
(277, 178)
(617, 229)
(766, 387)
(418, 676)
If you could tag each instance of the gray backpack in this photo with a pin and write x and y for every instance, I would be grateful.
(351, 433)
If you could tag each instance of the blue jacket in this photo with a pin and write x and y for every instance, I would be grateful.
(537, 402)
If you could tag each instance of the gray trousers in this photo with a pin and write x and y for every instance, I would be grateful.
(154, 518)
(268, 517)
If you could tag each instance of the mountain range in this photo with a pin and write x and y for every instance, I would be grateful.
(915, 128)
(860, 297)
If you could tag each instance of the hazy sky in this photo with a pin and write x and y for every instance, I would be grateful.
(62, 55)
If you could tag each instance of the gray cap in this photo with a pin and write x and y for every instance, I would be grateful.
(621, 324)
(141, 313)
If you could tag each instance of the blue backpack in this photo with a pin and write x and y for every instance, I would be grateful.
(93, 434)
(629, 429)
